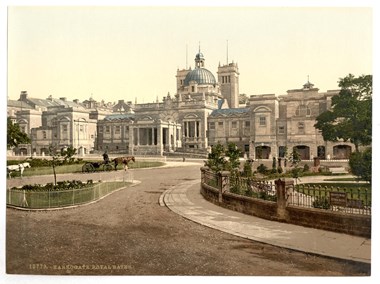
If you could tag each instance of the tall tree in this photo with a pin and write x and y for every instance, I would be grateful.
(14, 135)
(350, 117)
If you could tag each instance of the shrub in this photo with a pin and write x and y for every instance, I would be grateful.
(321, 202)
(306, 168)
(262, 169)
(280, 170)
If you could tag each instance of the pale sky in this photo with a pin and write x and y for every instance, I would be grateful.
(120, 52)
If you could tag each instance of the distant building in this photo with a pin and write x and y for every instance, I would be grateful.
(55, 122)
(203, 112)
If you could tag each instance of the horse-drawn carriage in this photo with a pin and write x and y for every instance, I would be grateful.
(106, 165)
(91, 167)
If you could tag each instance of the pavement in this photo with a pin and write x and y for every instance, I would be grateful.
(185, 199)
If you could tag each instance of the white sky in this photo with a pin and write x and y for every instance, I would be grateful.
(125, 53)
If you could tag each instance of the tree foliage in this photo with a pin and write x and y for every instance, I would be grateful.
(216, 161)
(361, 164)
(68, 154)
(15, 136)
(223, 158)
(350, 117)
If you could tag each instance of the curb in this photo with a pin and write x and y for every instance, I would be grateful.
(164, 201)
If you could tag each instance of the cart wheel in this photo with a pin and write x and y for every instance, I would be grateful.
(107, 167)
(88, 168)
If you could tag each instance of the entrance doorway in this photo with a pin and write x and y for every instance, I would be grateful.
(303, 151)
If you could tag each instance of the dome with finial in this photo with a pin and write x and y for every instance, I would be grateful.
(308, 84)
(200, 74)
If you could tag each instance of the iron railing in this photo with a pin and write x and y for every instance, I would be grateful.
(347, 200)
(44, 199)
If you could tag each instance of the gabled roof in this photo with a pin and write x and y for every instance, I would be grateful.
(18, 104)
(120, 117)
(229, 112)
(53, 102)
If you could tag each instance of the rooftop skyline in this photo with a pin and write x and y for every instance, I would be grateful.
(113, 53)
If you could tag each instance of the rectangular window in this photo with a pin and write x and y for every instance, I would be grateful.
(220, 124)
(212, 125)
(81, 128)
(247, 124)
(64, 127)
(301, 127)
(107, 129)
(233, 124)
(281, 129)
(117, 129)
(263, 121)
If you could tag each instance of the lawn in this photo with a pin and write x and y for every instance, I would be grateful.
(77, 168)
(354, 191)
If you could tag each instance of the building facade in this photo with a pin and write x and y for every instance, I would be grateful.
(203, 112)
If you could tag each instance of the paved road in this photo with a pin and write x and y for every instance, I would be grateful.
(129, 233)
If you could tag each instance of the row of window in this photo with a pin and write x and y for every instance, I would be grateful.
(262, 122)
(117, 129)
(226, 79)
(234, 124)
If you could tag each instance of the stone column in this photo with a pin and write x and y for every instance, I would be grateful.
(223, 184)
(282, 186)
(159, 139)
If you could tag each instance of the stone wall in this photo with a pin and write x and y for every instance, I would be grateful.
(358, 225)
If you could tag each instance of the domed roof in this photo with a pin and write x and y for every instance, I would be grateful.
(199, 55)
(201, 75)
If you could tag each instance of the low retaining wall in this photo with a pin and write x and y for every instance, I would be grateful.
(359, 225)
(251, 206)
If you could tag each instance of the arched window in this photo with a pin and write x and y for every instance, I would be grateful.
(303, 110)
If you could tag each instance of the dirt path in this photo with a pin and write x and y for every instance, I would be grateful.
(128, 233)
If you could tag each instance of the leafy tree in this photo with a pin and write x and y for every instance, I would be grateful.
(216, 161)
(247, 169)
(274, 165)
(350, 117)
(68, 154)
(233, 153)
(294, 159)
(14, 135)
(361, 164)
(224, 158)
(55, 160)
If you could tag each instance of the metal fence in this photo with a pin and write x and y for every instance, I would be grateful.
(347, 200)
(45, 199)
(242, 185)
(255, 188)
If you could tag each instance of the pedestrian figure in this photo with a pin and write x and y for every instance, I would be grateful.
(106, 158)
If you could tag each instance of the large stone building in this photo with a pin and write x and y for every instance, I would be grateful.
(202, 112)
(55, 122)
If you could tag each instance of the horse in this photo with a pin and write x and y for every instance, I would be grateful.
(124, 161)
(17, 168)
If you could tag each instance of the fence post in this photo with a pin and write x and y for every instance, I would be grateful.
(203, 173)
(281, 190)
(224, 184)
